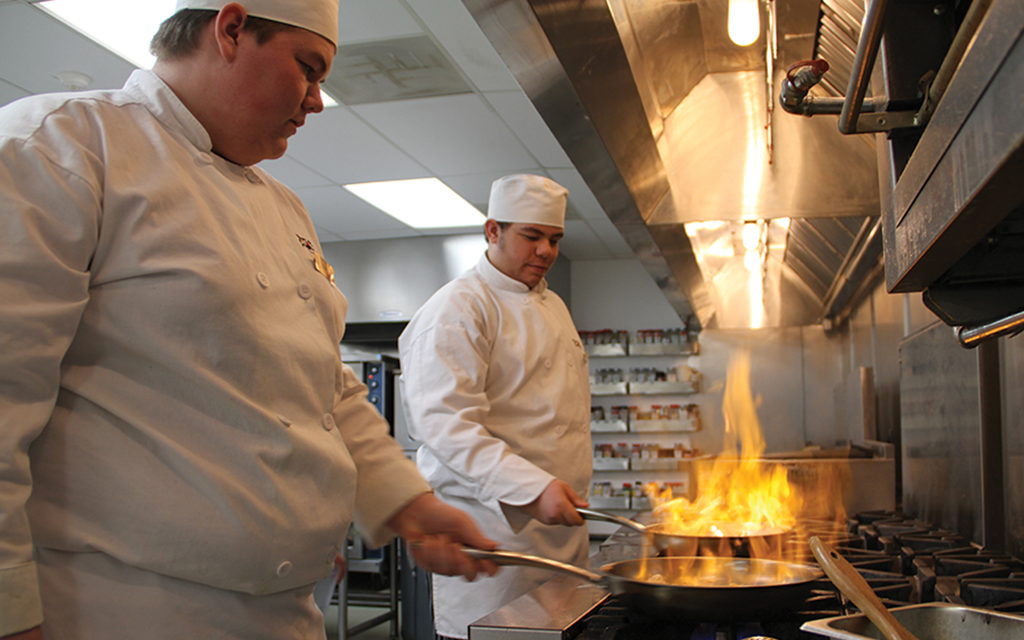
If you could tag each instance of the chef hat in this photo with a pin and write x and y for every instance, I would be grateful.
(528, 198)
(318, 16)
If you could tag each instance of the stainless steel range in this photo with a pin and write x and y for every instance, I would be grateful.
(908, 563)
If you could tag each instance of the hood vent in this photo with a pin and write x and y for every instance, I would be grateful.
(670, 124)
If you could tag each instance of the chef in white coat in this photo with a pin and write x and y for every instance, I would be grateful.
(181, 449)
(496, 386)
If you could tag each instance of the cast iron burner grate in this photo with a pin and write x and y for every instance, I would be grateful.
(905, 561)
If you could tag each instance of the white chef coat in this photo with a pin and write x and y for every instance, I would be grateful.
(496, 385)
(170, 353)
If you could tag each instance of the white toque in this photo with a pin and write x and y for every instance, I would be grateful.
(318, 16)
(527, 198)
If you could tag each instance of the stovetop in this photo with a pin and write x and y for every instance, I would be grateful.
(904, 560)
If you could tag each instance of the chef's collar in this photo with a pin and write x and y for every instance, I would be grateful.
(494, 277)
(147, 87)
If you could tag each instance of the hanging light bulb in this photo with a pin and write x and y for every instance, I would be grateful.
(744, 21)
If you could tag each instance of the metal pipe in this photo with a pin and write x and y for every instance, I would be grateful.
(970, 337)
(993, 520)
(863, 63)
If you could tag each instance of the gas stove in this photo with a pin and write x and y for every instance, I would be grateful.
(905, 561)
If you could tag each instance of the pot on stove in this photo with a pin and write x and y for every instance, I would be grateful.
(734, 539)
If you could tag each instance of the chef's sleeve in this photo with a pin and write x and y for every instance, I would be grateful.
(386, 479)
(48, 229)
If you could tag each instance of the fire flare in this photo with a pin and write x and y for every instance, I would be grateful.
(741, 495)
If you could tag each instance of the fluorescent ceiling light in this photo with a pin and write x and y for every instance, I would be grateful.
(424, 203)
(123, 26)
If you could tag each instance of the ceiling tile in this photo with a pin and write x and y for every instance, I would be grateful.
(476, 187)
(29, 60)
(579, 193)
(449, 134)
(381, 234)
(581, 243)
(341, 213)
(10, 93)
(293, 173)
(341, 147)
(360, 20)
(457, 32)
(611, 237)
(520, 114)
(325, 236)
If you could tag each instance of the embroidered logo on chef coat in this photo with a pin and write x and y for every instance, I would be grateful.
(319, 263)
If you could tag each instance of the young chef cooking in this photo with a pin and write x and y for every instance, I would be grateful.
(181, 448)
(496, 385)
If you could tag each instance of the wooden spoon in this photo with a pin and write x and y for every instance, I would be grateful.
(849, 581)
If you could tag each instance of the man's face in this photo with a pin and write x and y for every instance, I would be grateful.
(277, 84)
(523, 252)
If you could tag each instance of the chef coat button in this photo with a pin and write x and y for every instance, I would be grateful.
(526, 300)
(285, 421)
(547, 363)
(284, 569)
(263, 279)
(560, 429)
(305, 292)
(328, 422)
(251, 176)
(204, 159)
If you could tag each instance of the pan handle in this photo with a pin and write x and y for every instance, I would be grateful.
(524, 560)
(591, 514)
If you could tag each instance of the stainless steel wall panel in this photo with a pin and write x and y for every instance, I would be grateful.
(777, 381)
(1013, 441)
(941, 436)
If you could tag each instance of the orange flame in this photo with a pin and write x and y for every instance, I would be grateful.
(741, 495)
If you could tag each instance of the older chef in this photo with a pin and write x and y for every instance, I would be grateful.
(496, 386)
(181, 449)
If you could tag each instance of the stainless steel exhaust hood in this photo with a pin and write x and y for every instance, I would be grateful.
(671, 124)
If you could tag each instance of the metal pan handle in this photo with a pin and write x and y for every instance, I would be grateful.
(591, 514)
(521, 559)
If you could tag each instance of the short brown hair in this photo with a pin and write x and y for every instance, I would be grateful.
(501, 225)
(178, 36)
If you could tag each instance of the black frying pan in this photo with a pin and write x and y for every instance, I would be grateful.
(741, 589)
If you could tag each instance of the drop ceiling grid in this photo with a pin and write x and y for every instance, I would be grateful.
(449, 134)
(518, 112)
(360, 20)
(341, 146)
(338, 211)
(35, 47)
(456, 31)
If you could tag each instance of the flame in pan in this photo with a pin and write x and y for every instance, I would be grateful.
(740, 494)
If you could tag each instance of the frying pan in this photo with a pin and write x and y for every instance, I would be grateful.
(767, 543)
(737, 589)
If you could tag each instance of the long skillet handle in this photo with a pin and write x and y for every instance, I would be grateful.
(521, 559)
(854, 587)
(591, 514)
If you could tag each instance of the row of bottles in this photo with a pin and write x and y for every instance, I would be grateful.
(630, 495)
(641, 456)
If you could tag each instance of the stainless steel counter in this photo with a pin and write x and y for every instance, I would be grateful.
(554, 610)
